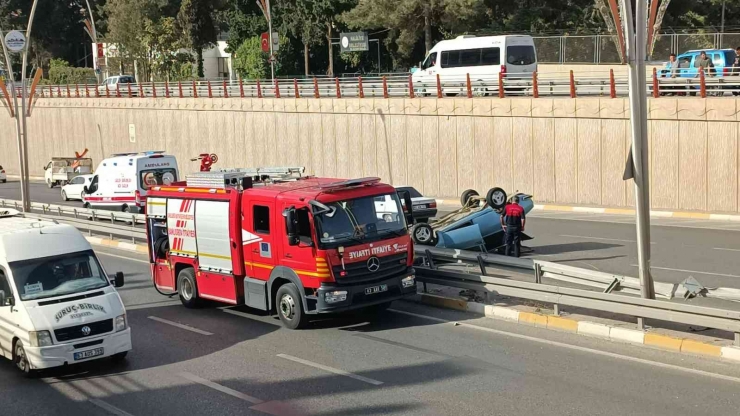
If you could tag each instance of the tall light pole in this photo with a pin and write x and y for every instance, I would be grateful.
(636, 43)
(722, 25)
(20, 112)
(264, 5)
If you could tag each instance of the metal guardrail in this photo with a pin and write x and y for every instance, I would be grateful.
(89, 220)
(599, 83)
(606, 301)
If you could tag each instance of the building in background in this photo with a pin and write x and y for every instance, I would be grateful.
(217, 63)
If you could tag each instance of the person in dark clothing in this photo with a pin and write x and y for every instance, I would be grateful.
(513, 221)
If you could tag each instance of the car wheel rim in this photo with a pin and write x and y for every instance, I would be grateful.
(20, 358)
(287, 307)
(187, 289)
(498, 198)
(422, 234)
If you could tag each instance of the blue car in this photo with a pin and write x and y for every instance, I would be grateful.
(689, 67)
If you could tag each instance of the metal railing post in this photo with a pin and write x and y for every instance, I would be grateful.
(572, 85)
(210, 92)
(316, 93)
(612, 85)
(297, 92)
(656, 85)
(226, 90)
(702, 83)
(195, 89)
(359, 84)
(470, 88)
(411, 86)
(385, 87)
(439, 87)
(179, 87)
(154, 90)
(277, 89)
(535, 85)
(501, 93)
(339, 88)
(130, 94)
(166, 89)
(259, 89)
(241, 88)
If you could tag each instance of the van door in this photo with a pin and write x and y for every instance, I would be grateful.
(6, 316)
(521, 57)
(258, 237)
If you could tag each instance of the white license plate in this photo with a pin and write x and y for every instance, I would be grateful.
(376, 289)
(88, 354)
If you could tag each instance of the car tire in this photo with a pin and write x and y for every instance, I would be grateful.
(64, 196)
(466, 195)
(20, 359)
(187, 288)
(496, 198)
(423, 234)
(290, 307)
(4, 181)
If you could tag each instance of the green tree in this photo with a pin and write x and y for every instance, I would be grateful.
(197, 19)
(164, 43)
(313, 22)
(412, 20)
(251, 63)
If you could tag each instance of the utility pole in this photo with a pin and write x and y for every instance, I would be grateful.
(636, 43)
(722, 26)
(264, 6)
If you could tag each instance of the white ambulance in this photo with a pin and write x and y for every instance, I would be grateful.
(57, 305)
(121, 182)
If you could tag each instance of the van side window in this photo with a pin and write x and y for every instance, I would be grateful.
(4, 286)
(684, 62)
(490, 56)
(261, 215)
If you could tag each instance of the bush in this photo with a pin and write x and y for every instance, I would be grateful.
(61, 73)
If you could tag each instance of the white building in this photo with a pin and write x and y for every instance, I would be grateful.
(217, 63)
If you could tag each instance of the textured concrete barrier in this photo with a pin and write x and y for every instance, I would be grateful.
(564, 151)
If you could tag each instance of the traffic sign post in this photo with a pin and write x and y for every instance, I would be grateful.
(264, 6)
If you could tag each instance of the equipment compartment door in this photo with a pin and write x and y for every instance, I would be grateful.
(181, 227)
(212, 236)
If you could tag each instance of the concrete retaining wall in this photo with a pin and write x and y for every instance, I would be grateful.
(564, 151)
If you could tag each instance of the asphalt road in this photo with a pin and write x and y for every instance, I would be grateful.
(411, 360)
(707, 250)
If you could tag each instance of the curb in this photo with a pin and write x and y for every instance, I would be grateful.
(446, 203)
(585, 328)
(122, 245)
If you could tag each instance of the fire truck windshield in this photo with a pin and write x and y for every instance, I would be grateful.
(361, 220)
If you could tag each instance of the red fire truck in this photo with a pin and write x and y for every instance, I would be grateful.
(278, 241)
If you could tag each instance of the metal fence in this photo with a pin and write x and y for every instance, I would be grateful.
(602, 49)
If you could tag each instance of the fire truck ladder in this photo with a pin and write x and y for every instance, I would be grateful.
(221, 178)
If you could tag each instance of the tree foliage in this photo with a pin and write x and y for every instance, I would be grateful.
(197, 19)
(251, 63)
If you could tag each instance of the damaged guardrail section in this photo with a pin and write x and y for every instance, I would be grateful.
(608, 300)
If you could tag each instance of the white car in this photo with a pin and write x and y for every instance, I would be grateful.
(76, 187)
(3, 176)
(123, 82)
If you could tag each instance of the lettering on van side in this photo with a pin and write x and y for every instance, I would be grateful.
(78, 311)
(156, 165)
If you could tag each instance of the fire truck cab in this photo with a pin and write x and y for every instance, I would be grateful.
(278, 241)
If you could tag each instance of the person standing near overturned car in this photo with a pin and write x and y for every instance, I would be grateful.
(513, 221)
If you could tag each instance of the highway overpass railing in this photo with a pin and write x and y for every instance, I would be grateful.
(598, 83)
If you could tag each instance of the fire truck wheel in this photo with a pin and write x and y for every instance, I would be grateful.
(423, 234)
(290, 307)
(466, 195)
(187, 288)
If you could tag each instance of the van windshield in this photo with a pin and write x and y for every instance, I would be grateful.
(156, 177)
(58, 275)
(361, 220)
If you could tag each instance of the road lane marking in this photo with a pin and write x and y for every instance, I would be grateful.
(109, 407)
(725, 249)
(577, 348)
(402, 345)
(181, 326)
(222, 389)
(691, 271)
(601, 238)
(122, 257)
(331, 369)
(164, 303)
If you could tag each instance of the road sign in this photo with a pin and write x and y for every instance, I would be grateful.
(15, 41)
(265, 40)
(353, 42)
(275, 41)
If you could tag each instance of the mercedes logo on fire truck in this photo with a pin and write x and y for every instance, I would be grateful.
(373, 264)
(86, 330)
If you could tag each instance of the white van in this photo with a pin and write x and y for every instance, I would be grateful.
(121, 182)
(483, 58)
(57, 304)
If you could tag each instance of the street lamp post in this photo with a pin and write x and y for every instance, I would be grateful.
(636, 42)
(20, 112)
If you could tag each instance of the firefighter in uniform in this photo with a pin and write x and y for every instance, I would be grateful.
(512, 221)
